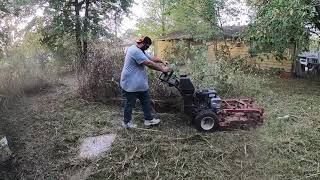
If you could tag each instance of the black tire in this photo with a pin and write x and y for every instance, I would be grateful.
(206, 121)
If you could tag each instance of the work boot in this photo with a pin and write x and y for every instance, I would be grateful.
(151, 122)
(129, 125)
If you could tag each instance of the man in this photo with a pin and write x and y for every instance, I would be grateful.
(134, 81)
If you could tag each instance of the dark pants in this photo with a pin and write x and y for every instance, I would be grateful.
(130, 102)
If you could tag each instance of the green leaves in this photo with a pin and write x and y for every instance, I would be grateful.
(82, 20)
(199, 18)
(280, 25)
(158, 20)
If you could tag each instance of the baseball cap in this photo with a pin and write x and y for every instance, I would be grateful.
(144, 39)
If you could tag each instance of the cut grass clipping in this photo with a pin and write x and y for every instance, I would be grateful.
(287, 146)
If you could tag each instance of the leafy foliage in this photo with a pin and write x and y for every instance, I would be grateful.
(6, 8)
(10, 7)
(65, 19)
(230, 77)
(157, 21)
(13, 15)
(280, 25)
(199, 18)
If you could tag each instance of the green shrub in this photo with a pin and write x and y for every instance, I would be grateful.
(228, 81)
(26, 68)
(230, 77)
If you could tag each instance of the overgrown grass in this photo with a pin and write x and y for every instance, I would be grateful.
(285, 147)
(281, 149)
(292, 131)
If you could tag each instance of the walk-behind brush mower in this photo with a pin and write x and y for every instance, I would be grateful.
(209, 112)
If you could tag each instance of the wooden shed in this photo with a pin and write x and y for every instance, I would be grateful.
(236, 48)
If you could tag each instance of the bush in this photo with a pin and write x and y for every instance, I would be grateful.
(65, 53)
(228, 80)
(101, 78)
(24, 78)
(17, 80)
(234, 83)
(230, 77)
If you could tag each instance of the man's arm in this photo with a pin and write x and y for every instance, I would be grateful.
(158, 60)
(151, 64)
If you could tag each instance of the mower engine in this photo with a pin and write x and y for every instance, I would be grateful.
(207, 109)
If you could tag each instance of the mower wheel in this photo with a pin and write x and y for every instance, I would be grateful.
(206, 121)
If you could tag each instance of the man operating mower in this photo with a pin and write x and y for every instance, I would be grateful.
(134, 81)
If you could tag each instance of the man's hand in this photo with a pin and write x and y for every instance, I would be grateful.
(165, 62)
(166, 69)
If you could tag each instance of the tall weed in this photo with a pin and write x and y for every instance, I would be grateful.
(100, 80)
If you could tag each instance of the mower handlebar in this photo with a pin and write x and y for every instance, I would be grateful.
(169, 78)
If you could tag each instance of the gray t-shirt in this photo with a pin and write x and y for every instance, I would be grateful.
(134, 76)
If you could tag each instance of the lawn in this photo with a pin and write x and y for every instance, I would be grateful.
(47, 129)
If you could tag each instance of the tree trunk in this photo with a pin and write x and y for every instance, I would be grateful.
(317, 16)
(163, 23)
(223, 36)
(86, 32)
(163, 28)
(78, 32)
(294, 68)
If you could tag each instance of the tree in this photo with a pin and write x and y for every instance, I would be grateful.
(11, 12)
(157, 21)
(280, 25)
(188, 16)
(199, 18)
(82, 20)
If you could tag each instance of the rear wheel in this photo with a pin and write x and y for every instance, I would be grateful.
(206, 121)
